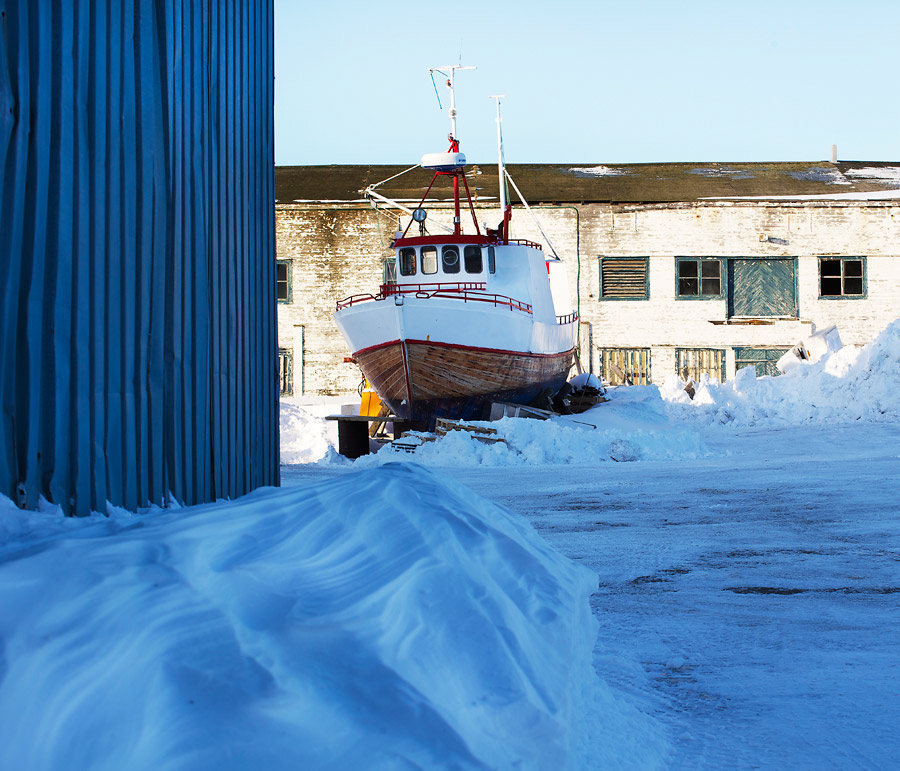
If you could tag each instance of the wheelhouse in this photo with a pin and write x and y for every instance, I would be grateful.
(453, 260)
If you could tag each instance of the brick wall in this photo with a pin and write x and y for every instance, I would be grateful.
(336, 251)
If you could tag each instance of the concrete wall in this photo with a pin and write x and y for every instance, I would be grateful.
(337, 249)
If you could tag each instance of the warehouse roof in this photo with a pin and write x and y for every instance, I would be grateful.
(593, 183)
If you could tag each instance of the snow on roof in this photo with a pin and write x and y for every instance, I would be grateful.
(596, 171)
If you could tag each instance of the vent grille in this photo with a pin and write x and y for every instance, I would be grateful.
(623, 277)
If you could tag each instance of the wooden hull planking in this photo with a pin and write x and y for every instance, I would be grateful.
(421, 380)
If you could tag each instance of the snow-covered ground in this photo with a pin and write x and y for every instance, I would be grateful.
(434, 609)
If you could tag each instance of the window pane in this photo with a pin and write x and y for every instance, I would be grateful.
(429, 260)
(687, 269)
(831, 286)
(687, 286)
(408, 262)
(450, 259)
(282, 281)
(853, 268)
(709, 268)
(853, 285)
(473, 259)
(492, 266)
(710, 286)
(830, 268)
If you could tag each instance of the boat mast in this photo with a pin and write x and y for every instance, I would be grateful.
(449, 72)
(500, 172)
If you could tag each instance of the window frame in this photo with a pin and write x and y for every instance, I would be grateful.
(700, 294)
(842, 259)
(612, 259)
(285, 371)
(720, 353)
(289, 266)
(472, 249)
(401, 264)
(450, 268)
(431, 250)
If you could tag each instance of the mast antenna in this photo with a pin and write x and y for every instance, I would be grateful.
(501, 177)
(449, 72)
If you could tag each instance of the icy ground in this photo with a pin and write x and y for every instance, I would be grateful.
(743, 571)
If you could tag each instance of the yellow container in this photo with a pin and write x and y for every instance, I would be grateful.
(370, 404)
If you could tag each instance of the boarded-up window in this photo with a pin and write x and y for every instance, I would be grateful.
(691, 363)
(625, 366)
(286, 371)
(623, 278)
(764, 359)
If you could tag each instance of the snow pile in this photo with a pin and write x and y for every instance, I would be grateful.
(846, 385)
(382, 619)
(304, 436)
(632, 426)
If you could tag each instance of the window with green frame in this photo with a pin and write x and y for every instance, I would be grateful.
(283, 280)
(698, 277)
(624, 278)
(286, 371)
(842, 277)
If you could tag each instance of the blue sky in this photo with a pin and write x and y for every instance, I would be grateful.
(589, 82)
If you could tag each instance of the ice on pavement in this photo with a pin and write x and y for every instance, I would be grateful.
(389, 618)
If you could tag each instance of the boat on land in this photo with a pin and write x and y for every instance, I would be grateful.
(464, 319)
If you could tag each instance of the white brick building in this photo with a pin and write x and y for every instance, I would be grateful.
(677, 267)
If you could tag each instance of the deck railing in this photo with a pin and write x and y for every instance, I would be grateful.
(470, 291)
(567, 319)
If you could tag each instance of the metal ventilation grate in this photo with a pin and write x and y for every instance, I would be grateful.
(623, 278)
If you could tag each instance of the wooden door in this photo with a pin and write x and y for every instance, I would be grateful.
(764, 287)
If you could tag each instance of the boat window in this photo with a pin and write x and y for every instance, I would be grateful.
(408, 262)
(492, 265)
(429, 259)
(450, 259)
(473, 259)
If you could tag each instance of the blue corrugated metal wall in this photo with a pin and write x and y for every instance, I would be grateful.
(137, 306)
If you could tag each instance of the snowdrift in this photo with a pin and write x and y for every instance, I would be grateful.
(632, 426)
(847, 385)
(383, 619)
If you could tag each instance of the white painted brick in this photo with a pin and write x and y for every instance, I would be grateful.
(337, 250)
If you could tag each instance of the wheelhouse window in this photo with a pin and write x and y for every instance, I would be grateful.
(450, 259)
(429, 260)
(472, 256)
(407, 261)
(283, 280)
(699, 278)
(492, 264)
(842, 277)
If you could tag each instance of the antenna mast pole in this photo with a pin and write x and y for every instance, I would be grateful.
(500, 171)
(449, 72)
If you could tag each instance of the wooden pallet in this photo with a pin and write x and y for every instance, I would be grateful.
(444, 426)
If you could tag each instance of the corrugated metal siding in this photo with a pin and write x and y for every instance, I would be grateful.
(137, 324)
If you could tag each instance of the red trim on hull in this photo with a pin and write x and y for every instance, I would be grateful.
(457, 346)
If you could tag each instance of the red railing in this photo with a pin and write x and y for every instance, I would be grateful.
(523, 242)
(466, 291)
(460, 286)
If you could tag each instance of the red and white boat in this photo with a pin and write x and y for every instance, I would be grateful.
(468, 319)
